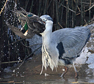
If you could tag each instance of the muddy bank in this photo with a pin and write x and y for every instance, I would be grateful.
(29, 73)
(33, 67)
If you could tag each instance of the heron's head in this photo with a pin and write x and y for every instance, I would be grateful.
(48, 21)
(46, 18)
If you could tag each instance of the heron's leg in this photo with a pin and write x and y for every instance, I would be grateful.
(76, 72)
(66, 70)
(41, 70)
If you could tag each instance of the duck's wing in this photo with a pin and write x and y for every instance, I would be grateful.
(34, 22)
(18, 32)
(22, 15)
(30, 18)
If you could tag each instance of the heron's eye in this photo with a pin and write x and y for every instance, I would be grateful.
(44, 20)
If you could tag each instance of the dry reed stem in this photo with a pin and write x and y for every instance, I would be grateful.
(3, 7)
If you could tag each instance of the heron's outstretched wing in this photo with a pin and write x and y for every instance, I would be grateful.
(72, 39)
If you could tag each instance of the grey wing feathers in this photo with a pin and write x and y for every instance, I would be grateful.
(73, 40)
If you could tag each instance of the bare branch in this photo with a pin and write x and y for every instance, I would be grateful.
(69, 9)
(3, 7)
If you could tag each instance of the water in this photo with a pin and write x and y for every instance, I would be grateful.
(47, 80)
(29, 73)
(41, 79)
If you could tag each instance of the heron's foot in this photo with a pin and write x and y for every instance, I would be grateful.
(65, 71)
(40, 73)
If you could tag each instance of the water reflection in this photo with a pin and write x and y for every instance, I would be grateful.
(37, 79)
(58, 80)
(11, 78)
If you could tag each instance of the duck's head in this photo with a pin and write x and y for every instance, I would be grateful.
(34, 23)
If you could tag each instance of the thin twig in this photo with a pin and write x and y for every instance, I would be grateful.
(69, 9)
(87, 3)
(77, 7)
(49, 4)
(27, 57)
(60, 25)
(87, 9)
(91, 7)
(56, 2)
(15, 42)
(82, 13)
(32, 45)
(11, 62)
(10, 82)
(3, 7)
(90, 10)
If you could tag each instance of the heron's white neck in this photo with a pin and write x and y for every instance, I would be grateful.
(48, 28)
(46, 35)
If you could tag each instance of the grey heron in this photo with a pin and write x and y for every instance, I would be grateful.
(62, 46)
